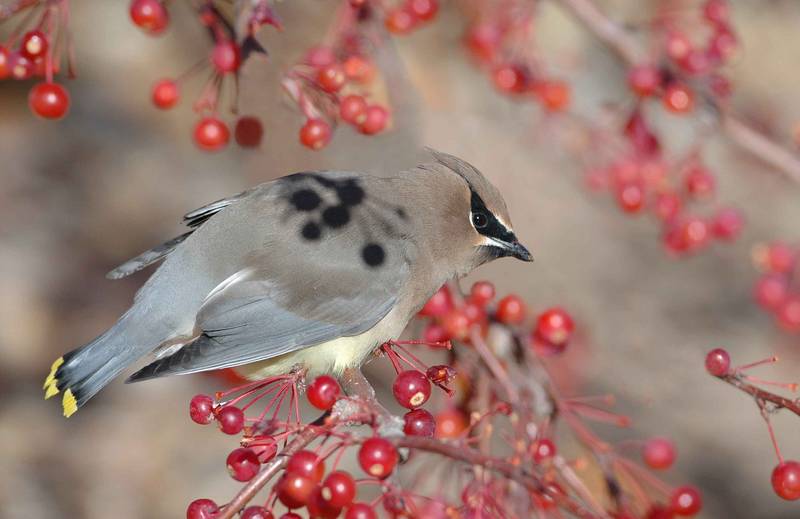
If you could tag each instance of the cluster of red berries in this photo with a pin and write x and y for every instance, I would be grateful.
(645, 182)
(31, 55)
(776, 290)
(328, 87)
(408, 16)
(452, 319)
(685, 59)
(494, 42)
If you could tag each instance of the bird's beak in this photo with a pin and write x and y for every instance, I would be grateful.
(518, 250)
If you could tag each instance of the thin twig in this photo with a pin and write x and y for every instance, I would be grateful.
(762, 395)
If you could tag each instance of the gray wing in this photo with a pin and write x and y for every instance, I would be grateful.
(299, 291)
(193, 220)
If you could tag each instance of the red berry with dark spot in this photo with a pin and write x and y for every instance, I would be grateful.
(644, 80)
(201, 409)
(360, 511)
(331, 78)
(786, 480)
(338, 489)
(315, 134)
(256, 512)
(49, 100)
(378, 457)
(318, 508)
(165, 94)
(248, 132)
(482, 293)
(658, 453)
(202, 509)
(353, 109)
(230, 419)
(34, 44)
(411, 389)
(543, 449)
(419, 422)
(323, 392)
(149, 15)
(686, 501)
(294, 490)
(226, 57)
(511, 309)
(308, 464)
(211, 134)
(375, 120)
(243, 464)
(718, 362)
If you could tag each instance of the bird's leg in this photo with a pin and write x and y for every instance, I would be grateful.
(356, 385)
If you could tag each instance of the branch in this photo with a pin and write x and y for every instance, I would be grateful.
(625, 45)
(761, 395)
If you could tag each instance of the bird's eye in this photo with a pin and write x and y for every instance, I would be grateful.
(479, 220)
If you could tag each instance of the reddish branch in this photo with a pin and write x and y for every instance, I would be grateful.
(761, 395)
(627, 47)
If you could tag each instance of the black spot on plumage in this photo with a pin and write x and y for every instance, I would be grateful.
(399, 211)
(373, 255)
(305, 200)
(311, 231)
(336, 216)
(350, 193)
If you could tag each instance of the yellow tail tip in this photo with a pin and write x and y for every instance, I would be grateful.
(51, 391)
(51, 378)
(69, 403)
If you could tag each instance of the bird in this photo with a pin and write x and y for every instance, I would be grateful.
(313, 270)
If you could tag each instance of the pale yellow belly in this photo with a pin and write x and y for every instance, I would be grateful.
(333, 356)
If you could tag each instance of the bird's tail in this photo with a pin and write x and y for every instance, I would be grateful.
(82, 372)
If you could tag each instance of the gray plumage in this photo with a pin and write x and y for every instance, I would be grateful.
(313, 269)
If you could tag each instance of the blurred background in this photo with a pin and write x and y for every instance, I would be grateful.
(81, 195)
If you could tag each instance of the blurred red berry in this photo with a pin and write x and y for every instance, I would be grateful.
(644, 80)
(456, 325)
(230, 419)
(716, 11)
(378, 457)
(353, 109)
(419, 422)
(658, 453)
(786, 480)
(667, 205)
(323, 392)
(400, 20)
(555, 326)
(727, 223)
(434, 332)
(554, 94)
(331, 78)
(5, 69)
(320, 56)
(211, 134)
(49, 100)
(686, 501)
(699, 182)
(630, 197)
(771, 291)
(20, 67)
(789, 313)
(511, 309)
(226, 57)
(510, 79)
(411, 388)
(439, 304)
(450, 423)
(543, 449)
(201, 409)
(780, 257)
(248, 131)
(34, 44)
(718, 362)
(202, 509)
(678, 46)
(483, 40)
(149, 15)
(658, 511)
(165, 94)
(308, 464)
(424, 10)
(678, 98)
(482, 293)
(315, 134)
(243, 464)
(375, 120)
(360, 511)
(338, 489)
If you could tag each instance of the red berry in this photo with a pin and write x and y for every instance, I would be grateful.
(424, 10)
(201, 409)
(659, 512)
(789, 314)
(511, 309)
(456, 324)
(290, 515)
(510, 79)
(202, 509)
(434, 333)
(256, 512)
(320, 56)
(211, 134)
(786, 480)
(165, 94)
(5, 68)
(644, 80)
(699, 182)
(439, 304)
(419, 422)
(780, 257)
(727, 223)
(555, 326)
(20, 67)
(630, 197)
(440, 374)
(378, 457)
(34, 44)
(678, 98)
(411, 388)
(353, 109)
(771, 291)
(359, 69)
(375, 120)
(543, 449)
(658, 453)
(482, 293)
(644, 141)
(323, 392)
(226, 57)
(722, 46)
(360, 511)
(315, 134)
(667, 205)
(264, 446)
(718, 362)
(149, 15)
(318, 508)
(248, 132)
(338, 489)
(243, 464)
(686, 501)
(331, 78)
(696, 62)
(450, 423)
(483, 40)
(294, 490)
(678, 46)
(49, 100)
(716, 11)
(230, 419)
(400, 20)
(694, 233)
(554, 94)
(307, 464)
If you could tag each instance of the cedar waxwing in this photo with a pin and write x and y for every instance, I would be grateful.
(314, 270)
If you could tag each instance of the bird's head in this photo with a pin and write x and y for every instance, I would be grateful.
(485, 216)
